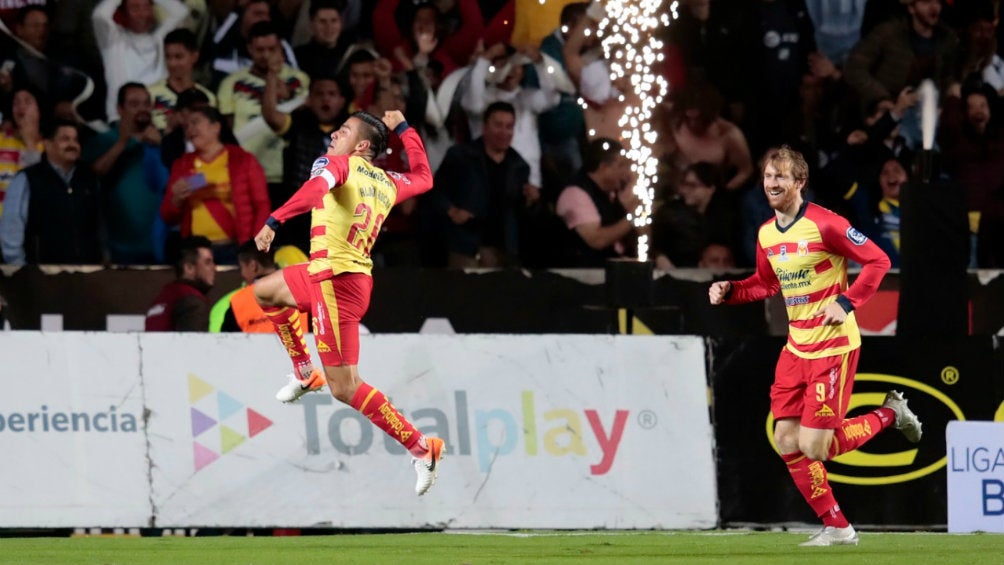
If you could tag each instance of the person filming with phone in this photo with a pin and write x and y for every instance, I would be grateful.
(217, 190)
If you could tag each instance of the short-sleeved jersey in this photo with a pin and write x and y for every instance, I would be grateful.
(349, 199)
(807, 260)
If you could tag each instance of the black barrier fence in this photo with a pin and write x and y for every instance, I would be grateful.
(497, 301)
(889, 481)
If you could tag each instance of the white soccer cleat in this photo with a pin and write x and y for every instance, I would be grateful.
(427, 468)
(295, 388)
(906, 421)
(832, 536)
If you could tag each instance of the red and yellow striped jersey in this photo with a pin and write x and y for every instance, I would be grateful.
(807, 260)
(349, 199)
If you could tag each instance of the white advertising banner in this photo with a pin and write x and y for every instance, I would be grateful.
(975, 477)
(541, 431)
(71, 430)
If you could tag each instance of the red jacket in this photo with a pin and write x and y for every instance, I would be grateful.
(248, 190)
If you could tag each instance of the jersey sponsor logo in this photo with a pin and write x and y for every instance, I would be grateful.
(824, 412)
(856, 237)
(796, 300)
(398, 177)
(318, 166)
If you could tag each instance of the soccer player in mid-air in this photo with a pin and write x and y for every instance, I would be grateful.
(348, 198)
(804, 251)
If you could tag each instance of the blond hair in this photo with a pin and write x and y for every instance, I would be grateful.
(786, 160)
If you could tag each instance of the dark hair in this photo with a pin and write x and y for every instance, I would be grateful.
(317, 5)
(376, 132)
(209, 111)
(120, 99)
(249, 252)
(708, 173)
(359, 56)
(190, 98)
(572, 12)
(599, 151)
(498, 106)
(188, 252)
(262, 29)
(699, 95)
(50, 127)
(40, 100)
(23, 11)
(184, 37)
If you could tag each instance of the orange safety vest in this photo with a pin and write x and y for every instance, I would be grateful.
(248, 314)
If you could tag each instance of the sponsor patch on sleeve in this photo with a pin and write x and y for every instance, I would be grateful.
(856, 237)
(318, 166)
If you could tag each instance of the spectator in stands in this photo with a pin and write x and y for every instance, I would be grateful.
(329, 43)
(29, 55)
(182, 306)
(504, 83)
(717, 257)
(362, 69)
(419, 26)
(480, 196)
(216, 190)
(594, 208)
(307, 132)
(231, 43)
(883, 227)
(241, 93)
(131, 41)
(700, 134)
(127, 160)
(351, 15)
(780, 46)
(53, 208)
(836, 26)
(979, 44)
(244, 313)
(563, 127)
(590, 74)
(901, 53)
(20, 137)
(701, 213)
(181, 53)
(972, 143)
(709, 36)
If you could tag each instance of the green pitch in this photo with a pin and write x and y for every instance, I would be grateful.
(538, 548)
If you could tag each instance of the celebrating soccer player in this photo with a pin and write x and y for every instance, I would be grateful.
(804, 251)
(349, 198)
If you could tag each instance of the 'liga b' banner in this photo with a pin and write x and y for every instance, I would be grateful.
(889, 481)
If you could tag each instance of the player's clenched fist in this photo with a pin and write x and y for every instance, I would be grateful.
(264, 238)
(392, 119)
(718, 290)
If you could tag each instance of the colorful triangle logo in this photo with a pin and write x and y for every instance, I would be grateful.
(229, 439)
(197, 388)
(228, 405)
(257, 423)
(203, 455)
(200, 422)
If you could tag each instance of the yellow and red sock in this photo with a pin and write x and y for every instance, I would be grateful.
(372, 403)
(810, 478)
(289, 327)
(855, 432)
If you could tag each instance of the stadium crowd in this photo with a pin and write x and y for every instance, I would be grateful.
(129, 125)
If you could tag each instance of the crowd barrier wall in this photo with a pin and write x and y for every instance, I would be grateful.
(180, 430)
(486, 301)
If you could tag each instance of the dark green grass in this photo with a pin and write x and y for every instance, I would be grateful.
(537, 548)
